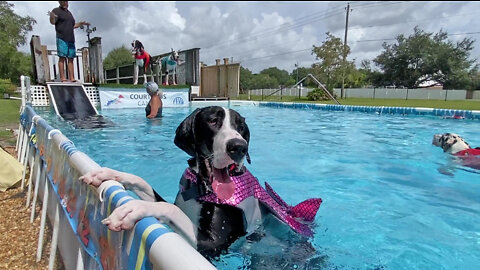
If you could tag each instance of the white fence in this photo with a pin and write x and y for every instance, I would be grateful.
(398, 93)
(280, 92)
(380, 93)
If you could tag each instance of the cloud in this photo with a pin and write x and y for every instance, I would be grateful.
(260, 34)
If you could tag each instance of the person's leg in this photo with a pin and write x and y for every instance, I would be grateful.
(71, 74)
(72, 53)
(61, 68)
(62, 51)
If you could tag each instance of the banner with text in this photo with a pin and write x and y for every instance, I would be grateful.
(138, 98)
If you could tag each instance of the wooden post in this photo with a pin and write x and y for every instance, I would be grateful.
(85, 65)
(96, 64)
(78, 67)
(46, 63)
(39, 67)
(226, 77)
(117, 74)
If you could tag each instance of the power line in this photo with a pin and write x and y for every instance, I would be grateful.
(300, 22)
(273, 55)
(411, 21)
(325, 15)
(378, 4)
(282, 28)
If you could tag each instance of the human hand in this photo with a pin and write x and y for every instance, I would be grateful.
(51, 14)
(95, 178)
(125, 216)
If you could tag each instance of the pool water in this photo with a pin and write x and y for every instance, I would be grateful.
(391, 200)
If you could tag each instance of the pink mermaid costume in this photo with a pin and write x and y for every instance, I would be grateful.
(298, 217)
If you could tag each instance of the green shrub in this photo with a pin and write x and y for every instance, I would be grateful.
(6, 86)
(317, 94)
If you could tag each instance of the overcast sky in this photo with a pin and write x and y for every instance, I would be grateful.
(257, 34)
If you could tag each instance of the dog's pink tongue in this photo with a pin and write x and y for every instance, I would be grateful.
(222, 185)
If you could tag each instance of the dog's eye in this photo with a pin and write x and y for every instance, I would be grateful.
(240, 128)
(212, 121)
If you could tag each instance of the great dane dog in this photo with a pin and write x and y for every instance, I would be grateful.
(168, 68)
(455, 145)
(142, 60)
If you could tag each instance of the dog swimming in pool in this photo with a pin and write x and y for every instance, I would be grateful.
(455, 145)
(220, 200)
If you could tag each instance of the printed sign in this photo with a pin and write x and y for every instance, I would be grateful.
(138, 98)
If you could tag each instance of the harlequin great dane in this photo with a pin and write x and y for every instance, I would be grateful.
(455, 145)
(221, 198)
(168, 67)
(142, 59)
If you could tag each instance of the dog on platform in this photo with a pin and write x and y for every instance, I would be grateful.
(168, 67)
(142, 60)
(221, 198)
(455, 145)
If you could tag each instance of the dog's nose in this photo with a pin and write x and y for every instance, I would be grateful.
(237, 149)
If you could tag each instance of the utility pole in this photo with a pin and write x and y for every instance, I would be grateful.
(345, 51)
(296, 66)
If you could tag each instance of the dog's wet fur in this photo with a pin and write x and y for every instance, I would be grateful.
(215, 138)
(450, 142)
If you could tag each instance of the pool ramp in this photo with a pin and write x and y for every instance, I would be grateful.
(71, 103)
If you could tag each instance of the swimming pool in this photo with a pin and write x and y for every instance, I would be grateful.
(386, 205)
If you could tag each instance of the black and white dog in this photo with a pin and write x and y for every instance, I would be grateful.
(142, 59)
(219, 198)
(455, 145)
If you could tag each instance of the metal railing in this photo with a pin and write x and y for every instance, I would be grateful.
(76, 210)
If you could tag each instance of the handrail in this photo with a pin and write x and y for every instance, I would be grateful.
(271, 94)
(319, 84)
(58, 164)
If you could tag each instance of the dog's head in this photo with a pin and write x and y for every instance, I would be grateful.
(217, 138)
(174, 55)
(136, 46)
(450, 142)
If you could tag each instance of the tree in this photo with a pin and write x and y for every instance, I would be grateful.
(246, 78)
(329, 69)
(263, 81)
(425, 57)
(281, 76)
(13, 33)
(118, 57)
(302, 73)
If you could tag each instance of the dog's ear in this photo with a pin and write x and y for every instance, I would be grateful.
(448, 143)
(247, 138)
(184, 135)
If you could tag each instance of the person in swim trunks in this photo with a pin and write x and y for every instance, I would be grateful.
(154, 106)
(64, 23)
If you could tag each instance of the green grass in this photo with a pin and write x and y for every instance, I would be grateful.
(140, 86)
(9, 118)
(440, 104)
(9, 111)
